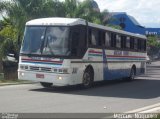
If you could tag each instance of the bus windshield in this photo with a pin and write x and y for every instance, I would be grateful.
(52, 41)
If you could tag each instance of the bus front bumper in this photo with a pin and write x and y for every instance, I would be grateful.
(56, 79)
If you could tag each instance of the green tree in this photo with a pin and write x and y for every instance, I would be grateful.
(153, 45)
(114, 26)
(70, 8)
(153, 41)
(18, 12)
(86, 11)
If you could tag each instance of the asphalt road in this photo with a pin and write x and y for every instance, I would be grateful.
(109, 97)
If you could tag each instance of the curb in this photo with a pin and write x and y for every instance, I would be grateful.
(148, 109)
(7, 84)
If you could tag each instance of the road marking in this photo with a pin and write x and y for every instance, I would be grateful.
(147, 109)
(147, 78)
(156, 110)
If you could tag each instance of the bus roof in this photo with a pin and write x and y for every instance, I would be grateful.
(117, 31)
(75, 21)
(56, 21)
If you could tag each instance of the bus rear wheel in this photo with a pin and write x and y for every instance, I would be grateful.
(46, 85)
(88, 78)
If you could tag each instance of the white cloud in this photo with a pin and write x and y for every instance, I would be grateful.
(145, 11)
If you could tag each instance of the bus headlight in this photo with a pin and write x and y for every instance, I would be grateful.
(60, 78)
(21, 74)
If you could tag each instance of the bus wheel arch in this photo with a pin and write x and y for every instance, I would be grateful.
(134, 67)
(88, 77)
(132, 73)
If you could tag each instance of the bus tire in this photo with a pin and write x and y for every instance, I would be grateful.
(88, 78)
(46, 85)
(132, 74)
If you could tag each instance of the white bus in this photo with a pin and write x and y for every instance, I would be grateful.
(66, 51)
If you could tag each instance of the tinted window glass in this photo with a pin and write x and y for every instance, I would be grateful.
(132, 43)
(135, 44)
(118, 41)
(113, 40)
(94, 37)
(107, 39)
(123, 42)
(128, 42)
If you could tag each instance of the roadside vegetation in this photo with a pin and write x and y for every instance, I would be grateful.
(158, 117)
(18, 12)
(153, 44)
(13, 82)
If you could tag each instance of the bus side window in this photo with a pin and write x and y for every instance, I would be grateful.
(113, 40)
(118, 41)
(89, 36)
(75, 42)
(132, 43)
(128, 43)
(101, 41)
(139, 44)
(135, 44)
(123, 42)
(78, 44)
(107, 39)
(143, 45)
(94, 37)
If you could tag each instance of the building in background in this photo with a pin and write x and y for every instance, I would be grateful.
(127, 22)
(130, 24)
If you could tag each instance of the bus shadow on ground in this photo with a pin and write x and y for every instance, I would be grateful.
(137, 89)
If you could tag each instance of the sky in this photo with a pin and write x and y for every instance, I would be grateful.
(146, 12)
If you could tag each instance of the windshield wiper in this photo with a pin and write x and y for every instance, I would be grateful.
(42, 46)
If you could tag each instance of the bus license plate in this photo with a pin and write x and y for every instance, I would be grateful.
(40, 76)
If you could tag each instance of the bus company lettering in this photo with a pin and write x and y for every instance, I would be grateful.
(126, 53)
(117, 53)
(36, 58)
(40, 58)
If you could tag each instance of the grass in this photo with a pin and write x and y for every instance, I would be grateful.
(158, 117)
(14, 81)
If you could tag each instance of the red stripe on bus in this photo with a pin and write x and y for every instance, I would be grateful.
(98, 52)
(60, 62)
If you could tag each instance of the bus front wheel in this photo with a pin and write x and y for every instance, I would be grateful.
(88, 78)
(46, 85)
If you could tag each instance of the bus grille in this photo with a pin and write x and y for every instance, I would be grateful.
(40, 69)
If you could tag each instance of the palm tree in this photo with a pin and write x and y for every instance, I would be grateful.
(71, 8)
(20, 11)
(85, 10)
